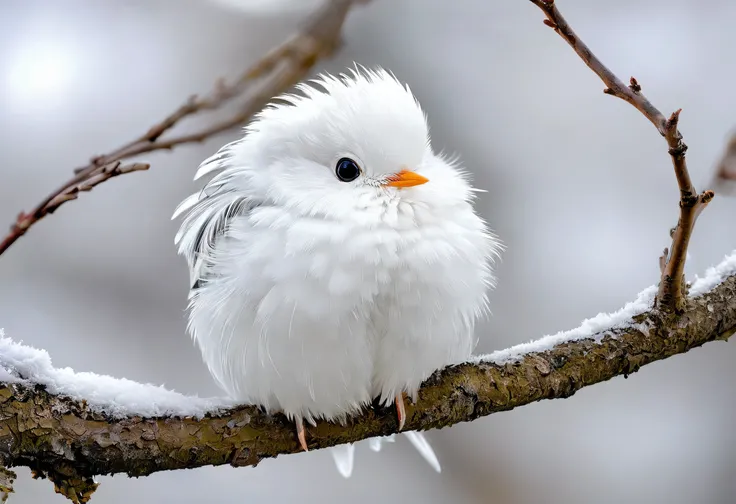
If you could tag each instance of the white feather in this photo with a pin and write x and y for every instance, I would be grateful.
(184, 206)
(313, 296)
(344, 456)
(423, 447)
(376, 443)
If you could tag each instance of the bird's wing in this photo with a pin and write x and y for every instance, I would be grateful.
(207, 220)
(209, 212)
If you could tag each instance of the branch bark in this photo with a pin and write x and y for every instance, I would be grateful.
(6, 483)
(273, 74)
(63, 440)
(672, 287)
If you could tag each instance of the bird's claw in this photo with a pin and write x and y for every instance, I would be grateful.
(301, 434)
(400, 410)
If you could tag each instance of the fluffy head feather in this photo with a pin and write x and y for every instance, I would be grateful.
(288, 155)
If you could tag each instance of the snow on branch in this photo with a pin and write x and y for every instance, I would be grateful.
(116, 397)
(71, 426)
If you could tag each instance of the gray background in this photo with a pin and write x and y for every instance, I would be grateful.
(580, 188)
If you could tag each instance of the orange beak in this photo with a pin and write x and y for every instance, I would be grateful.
(406, 178)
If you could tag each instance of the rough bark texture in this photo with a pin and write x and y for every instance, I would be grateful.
(6, 483)
(65, 441)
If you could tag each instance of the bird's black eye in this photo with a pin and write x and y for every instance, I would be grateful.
(347, 170)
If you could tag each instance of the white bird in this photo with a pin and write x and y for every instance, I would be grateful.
(334, 257)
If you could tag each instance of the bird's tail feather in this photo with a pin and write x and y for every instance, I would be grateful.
(424, 448)
(376, 443)
(344, 455)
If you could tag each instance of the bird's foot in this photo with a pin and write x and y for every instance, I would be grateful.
(400, 410)
(301, 434)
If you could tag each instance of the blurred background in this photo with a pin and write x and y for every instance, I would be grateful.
(580, 188)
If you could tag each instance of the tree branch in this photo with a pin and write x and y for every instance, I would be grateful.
(278, 70)
(68, 442)
(672, 287)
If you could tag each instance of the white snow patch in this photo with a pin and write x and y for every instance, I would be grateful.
(597, 327)
(118, 397)
(594, 328)
(714, 276)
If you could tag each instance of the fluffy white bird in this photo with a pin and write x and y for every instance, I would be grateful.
(334, 257)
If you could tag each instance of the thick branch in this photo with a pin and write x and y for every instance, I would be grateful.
(671, 287)
(64, 440)
(283, 67)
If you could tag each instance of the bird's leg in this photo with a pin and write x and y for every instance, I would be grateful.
(400, 409)
(301, 433)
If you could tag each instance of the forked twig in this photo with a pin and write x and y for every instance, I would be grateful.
(281, 68)
(671, 296)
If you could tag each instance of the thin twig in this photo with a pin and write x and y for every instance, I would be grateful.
(70, 191)
(671, 296)
(278, 70)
